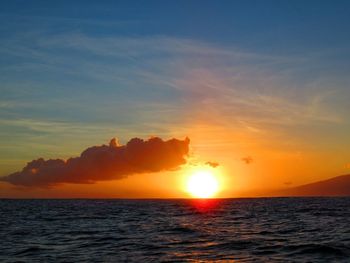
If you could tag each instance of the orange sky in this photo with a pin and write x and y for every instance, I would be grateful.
(273, 166)
(240, 82)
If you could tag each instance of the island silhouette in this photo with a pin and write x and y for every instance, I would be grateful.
(336, 186)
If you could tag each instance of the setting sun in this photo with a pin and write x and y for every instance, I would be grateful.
(202, 184)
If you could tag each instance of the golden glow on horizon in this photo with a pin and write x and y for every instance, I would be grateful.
(202, 184)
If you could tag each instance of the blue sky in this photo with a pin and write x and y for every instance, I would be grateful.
(75, 73)
(262, 25)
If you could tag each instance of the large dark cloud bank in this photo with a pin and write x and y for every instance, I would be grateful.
(106, 162)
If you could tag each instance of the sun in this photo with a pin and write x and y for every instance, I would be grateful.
(202, 184)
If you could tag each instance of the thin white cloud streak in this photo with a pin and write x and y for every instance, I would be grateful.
(249, 103)
(253, 90)
(55, 127)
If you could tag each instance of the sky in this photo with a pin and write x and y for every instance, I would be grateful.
(259, 87)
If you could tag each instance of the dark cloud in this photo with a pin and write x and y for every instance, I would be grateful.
(247, 159)
(106, 162)
(212, 164)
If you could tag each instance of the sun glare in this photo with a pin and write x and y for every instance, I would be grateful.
(202, 184)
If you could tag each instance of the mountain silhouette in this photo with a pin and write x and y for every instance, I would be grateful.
(336, 186)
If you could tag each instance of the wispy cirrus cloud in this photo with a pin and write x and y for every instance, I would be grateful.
(166, 82)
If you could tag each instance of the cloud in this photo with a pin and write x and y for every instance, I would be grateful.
(106, 162)
(247, 159)
(212, 164)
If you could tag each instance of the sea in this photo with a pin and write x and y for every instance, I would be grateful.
(176, 230)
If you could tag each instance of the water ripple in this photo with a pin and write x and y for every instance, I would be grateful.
(240, 230)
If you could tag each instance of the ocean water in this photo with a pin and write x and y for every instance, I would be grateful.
(230, 230)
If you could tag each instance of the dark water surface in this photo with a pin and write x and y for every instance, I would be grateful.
(241, 230)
